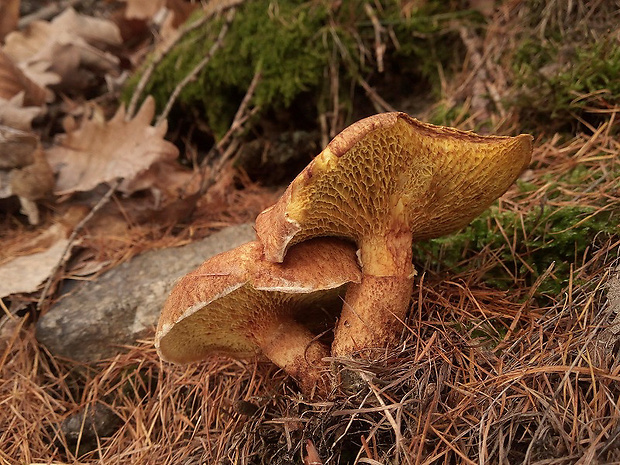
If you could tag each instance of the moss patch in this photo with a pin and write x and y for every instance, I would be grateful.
(567, 66)
(294, 45)
(510, 247)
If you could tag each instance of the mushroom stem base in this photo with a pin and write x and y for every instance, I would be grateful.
(373, 314)
(293, 348)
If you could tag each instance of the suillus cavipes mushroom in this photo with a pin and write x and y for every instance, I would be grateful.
(238, 304)
(384, 182)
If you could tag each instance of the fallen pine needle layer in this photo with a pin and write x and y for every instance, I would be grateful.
(460, 390)
(494, 367)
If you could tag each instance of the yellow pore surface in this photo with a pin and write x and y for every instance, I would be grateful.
(235, 324)
(409, 176)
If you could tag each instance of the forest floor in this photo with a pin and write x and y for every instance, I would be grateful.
(511, 348)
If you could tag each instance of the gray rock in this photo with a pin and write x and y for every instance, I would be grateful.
(87, 426)
(101, 316)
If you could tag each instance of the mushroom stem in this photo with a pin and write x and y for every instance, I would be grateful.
(292, 347)
(372, 313)
(374, 309)
(388, 254)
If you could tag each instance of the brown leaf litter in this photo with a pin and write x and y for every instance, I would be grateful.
(65, 47)
(24, 171)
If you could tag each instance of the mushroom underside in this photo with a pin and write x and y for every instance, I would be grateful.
(285, 327)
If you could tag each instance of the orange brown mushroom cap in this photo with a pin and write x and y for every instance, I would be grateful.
(384, 182)
(238, 304)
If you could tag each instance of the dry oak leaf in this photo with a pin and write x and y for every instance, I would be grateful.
(100, 33)
(25, 274)
(35, 260)
(101, 151)
(68, 26)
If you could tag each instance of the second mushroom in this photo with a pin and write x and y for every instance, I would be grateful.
(238, 304)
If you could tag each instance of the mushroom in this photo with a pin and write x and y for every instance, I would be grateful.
(384, 182)
(238, 304)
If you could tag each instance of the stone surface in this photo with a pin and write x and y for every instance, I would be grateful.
(101, 316)
(87, 426)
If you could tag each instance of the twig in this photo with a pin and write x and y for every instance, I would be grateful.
(199, 67)
(377, 101)
(380, 47)
(241, 116)
(481, 84)
(102, 201)
(148, 72)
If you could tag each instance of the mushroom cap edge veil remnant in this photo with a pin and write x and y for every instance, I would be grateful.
(384, 182)
(238, 304)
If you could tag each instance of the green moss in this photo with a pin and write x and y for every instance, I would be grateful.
(577, 215)
(511, 247)
(279, 39)
(293, 44)
(567, 74)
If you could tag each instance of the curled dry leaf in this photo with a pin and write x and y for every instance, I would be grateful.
(24, 171)
(67, 27)
(35, 181)
(15, 114)
(167, 15)
(100, 33)
(27, 263)
(25, 274)
(35, 259)
(101, 151)
(9, 15)
(17, 147)
(68, 43)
